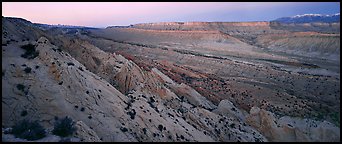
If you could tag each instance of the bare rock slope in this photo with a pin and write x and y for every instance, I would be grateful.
(58, 85)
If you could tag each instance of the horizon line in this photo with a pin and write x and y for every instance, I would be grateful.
(142, 22)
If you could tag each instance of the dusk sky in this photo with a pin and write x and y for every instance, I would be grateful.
(103, 14)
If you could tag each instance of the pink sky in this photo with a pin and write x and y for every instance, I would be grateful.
(102, 14)
(88, 13)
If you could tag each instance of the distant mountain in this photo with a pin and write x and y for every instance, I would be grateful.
(309, 18)
(120, 26)
(44, 26)
(47, 26)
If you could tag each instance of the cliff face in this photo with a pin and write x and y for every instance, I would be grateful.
(225, 27)
(310, 44)
(305, 39)
(300, 27)
(197, 25)
(236, 27)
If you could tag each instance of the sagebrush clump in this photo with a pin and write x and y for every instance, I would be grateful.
(28, 130)
(30, 52)
(64, 127)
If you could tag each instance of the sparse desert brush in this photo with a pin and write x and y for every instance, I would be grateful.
(28, 130)
(27, 70)
(70, 64)
(64, 127)
(30, 52)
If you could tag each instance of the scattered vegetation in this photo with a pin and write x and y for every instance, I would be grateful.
(305, 65)
(58, 49)
(23, 113)
(97, 61)
(132, 113)
(336, 118)
(28, 130)
(80, 68)
(144, 130)
(70, 64)
(151, 103)
(30, 52)
(20, 87)
(232, 125)
(160, 127)
(27, 70)
(64, 127)
(123, 129)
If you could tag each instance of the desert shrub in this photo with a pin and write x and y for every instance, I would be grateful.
(64, 127)
(59, 49)
(123, 129)
(28, 130)
(80, 68)
(20, 87)
(160, 127)
(132, 113)
(232, 125)
(181, 136)
(23, 113)
(144, 130)
(70, 64)
(27, 70)
(97, 61)
(30, 52)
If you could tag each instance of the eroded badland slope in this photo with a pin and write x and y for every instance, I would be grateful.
(184, 82)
